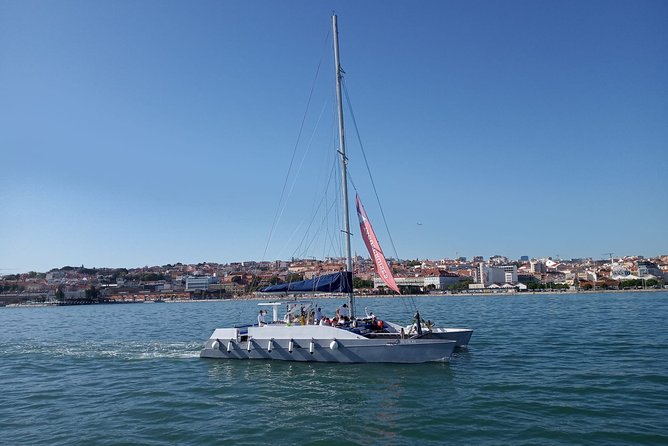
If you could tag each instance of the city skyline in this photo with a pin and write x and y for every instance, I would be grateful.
(136, 135)
(493, 259)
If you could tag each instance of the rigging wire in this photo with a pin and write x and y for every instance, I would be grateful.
(313, 218)
(323, 221)
(408, 302)
(411, 305)
(368, 168)
(281, 205)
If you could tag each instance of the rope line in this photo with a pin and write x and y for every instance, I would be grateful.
(282, 199)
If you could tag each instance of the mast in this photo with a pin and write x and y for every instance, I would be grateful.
(344, 160)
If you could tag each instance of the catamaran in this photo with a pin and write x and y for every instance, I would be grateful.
(349, 339)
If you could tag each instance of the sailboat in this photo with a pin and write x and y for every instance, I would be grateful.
(352, 339)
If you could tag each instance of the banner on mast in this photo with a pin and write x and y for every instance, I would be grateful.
(375, 251)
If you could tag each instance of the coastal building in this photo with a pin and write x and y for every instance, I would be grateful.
(227, 288)
(536, 266)
(619, 272)
(202, 283)
(486, 275)
(498, 260)
(55, 277)
(437, 281)
(525, 278)
(647, 268)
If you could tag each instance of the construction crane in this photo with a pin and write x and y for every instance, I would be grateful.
(609, 254)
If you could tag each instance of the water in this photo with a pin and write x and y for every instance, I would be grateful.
(544, 369)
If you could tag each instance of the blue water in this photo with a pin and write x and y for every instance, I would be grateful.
(544, 369)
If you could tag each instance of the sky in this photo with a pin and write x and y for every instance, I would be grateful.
(154, 132)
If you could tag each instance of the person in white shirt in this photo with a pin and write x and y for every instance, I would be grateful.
(345, 313)
(260, 319)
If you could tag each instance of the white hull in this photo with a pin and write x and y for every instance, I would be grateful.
(461, 336)
(322, 344)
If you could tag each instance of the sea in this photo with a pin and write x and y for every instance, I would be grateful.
(543, 369)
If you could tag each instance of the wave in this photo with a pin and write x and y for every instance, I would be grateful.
(116, 349)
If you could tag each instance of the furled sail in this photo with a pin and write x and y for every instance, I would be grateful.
(341, 282)
(375, 251)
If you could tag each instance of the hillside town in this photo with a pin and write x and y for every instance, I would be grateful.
(208, 280)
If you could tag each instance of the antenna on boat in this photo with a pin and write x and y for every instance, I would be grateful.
(344, 160)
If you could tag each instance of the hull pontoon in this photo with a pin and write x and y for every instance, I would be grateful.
(322, 344)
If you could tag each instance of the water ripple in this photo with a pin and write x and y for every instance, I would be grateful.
(554, 370)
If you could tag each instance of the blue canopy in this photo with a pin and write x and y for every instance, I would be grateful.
(341, 282)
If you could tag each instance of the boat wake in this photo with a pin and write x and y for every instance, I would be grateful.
(112, 349)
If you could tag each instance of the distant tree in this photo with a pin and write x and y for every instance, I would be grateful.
(410, 289)
(294, 277)
(88, 271)
(461, 285)
(92, 293)
(151, 277)
(274, 280)
(120, 272)
(631, 283)
(253, 285)
(361, 283)
(60, 294)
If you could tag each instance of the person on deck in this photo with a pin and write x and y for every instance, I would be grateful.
(260, 319)
(345, 313)
(318, 315)
(416, 328)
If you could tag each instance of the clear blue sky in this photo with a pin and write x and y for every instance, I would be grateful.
(153, 132)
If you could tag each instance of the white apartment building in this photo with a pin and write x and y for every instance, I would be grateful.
(537, 266)
(439, 282)
(487, 275)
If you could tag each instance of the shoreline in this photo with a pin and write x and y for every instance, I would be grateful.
(360, 296)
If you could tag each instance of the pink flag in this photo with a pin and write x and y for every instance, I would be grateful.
(376, 253)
